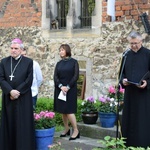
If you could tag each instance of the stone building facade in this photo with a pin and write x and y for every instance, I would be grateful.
(98, 49)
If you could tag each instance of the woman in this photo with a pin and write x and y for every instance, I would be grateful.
(65, 78)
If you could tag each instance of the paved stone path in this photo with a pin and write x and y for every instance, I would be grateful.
(83, 143)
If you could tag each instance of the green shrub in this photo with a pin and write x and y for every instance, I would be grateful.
(48, 104)
(44, 104)
(78, 114)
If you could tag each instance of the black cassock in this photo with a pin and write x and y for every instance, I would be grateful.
(136, 112)
(17, 123)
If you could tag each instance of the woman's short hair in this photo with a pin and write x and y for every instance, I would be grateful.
(67, 48)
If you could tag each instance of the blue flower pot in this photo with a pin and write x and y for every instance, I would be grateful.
(44, 137)
(107, 120)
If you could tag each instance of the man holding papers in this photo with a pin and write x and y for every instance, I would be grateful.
(136, 81)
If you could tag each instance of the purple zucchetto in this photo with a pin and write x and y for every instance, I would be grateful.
(16, 40)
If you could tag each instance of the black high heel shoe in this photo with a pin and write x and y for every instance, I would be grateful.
(67, 133)
(73, 138)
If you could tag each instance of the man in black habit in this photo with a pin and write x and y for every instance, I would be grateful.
(136, 111)
(17, 123)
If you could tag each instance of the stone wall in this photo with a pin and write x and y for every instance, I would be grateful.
(102, 53)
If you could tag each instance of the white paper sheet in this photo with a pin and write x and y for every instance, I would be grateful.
(62, 96)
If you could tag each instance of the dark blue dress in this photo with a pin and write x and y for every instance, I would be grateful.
(66, 73)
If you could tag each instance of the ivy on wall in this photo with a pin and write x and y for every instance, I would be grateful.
(91, 6)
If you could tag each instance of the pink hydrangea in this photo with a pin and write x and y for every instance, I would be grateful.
(112, 89)
(121, 90)
(36, 116)
(49, 115)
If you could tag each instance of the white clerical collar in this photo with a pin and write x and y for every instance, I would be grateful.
(17, 57)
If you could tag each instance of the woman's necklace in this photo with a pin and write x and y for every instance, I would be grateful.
(12, 71)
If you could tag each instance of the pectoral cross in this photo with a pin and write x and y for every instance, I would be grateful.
(11, 76)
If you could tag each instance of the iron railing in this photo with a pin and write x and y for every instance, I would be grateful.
(87, 7)
(62, 11)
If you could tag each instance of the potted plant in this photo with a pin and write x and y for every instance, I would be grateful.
(44, 129)
(108, 106)
(89, 110)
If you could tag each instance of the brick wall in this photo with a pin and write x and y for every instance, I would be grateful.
(20, 13)
(23, 13)
(126, 10)
(1, 3)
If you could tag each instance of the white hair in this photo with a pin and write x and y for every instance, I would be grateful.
(21, 45)
(135, 35)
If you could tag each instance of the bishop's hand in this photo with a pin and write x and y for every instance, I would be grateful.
(14, 94)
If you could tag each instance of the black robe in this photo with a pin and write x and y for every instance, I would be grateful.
(66, 73)
(136, 111)
(17, 123)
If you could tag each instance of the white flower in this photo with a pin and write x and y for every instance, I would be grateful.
(83, 103)
(112, 99)
(94, 101)
(116, 103)
(111, 105)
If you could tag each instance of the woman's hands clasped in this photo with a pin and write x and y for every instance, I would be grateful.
(64, 89)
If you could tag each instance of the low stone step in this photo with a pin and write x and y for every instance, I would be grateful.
(83, 143)
(96, 131)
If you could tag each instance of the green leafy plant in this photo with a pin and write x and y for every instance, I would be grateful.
(108, 103)
(91, 6)
(113, 143)
(88, 105)
(110, 143)
(44, 120)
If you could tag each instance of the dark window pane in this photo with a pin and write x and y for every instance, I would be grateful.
(62, 11)
(87, 7)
